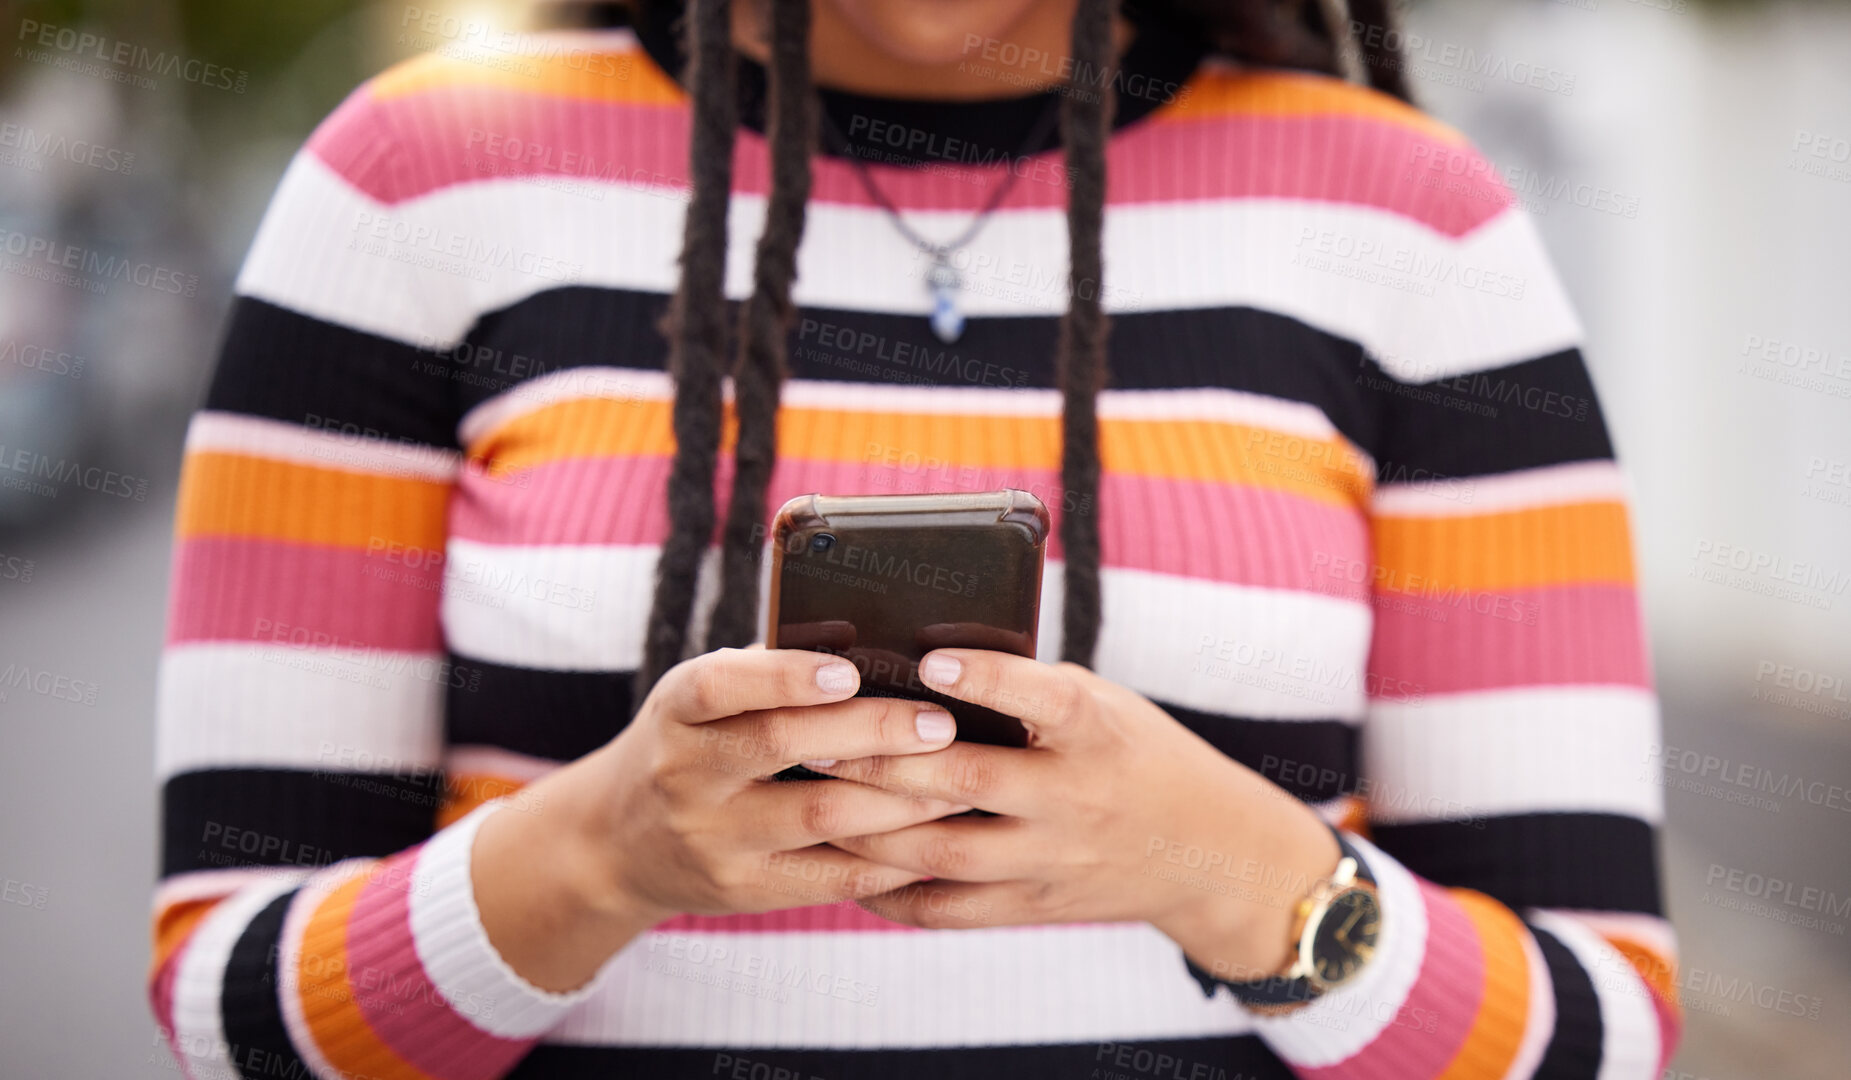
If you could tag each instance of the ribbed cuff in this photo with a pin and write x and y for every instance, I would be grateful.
(455, 950)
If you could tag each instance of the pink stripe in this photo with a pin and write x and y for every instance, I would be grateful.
(460, 134)
(1564, 635)
(398, 1001)
(1432, 1024)
(161, 999)
(843, 916)
(1255, 536)
(238, 589)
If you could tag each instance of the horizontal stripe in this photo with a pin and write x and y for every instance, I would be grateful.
(583, 709)
(458, 959)
(292, 596)
(333, 446)
(1536, 409)
(319, 250)
(1574, 1048)
(1262, 653)
(1630, 1043)
(1573, 544)
(1315, 760)
(862, 450)
(233, 495)
(253, 1017)
(1228, 87)
(330, 1002)
(613, 394)
(1472, 756)
(1598, 861)
(622, 501)
(198, 1024)
(277, 705)
(924, 988)
(306, 367)
(277, 817)
(1526, 489)
(571, 64)
(462, 135)
(1503, 1008)
(1561, 636)
(1244, 1057)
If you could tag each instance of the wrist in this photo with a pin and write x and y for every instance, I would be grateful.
(1245, 927)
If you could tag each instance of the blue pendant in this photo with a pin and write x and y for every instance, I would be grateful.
(947, 316)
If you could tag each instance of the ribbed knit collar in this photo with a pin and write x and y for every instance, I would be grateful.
(910, 131)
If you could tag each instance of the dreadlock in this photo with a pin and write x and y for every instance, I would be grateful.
(1288, 33)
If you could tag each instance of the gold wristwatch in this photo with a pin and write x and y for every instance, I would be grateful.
(1336, 930)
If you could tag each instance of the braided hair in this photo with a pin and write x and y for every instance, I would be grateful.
(1292, 33)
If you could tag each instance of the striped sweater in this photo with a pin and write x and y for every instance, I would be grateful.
(1362, 530)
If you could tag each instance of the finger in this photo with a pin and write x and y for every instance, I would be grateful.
(956, 905)
(728, 682)
(824, 875)
(1053, 702)
(766, 742)
(1001, 779)
(956, 849)
(799, 813)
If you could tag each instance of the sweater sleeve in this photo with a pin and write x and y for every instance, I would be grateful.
(1509, 779)
(310, 915)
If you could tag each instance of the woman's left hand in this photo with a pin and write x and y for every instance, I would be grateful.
(1114, 812)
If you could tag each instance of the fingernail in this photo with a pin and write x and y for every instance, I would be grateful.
(934, 725)
(819, 763)
(939, 670)
(835, 678)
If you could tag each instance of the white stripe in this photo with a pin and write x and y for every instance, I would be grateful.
(215, 884)
(1539, 1021)
(1650, 932)
(1528, 489)
(1527, 750)
(1629, 1038)
(458, 958)
(199, 981)
(1230, 649)
(223, 704)
(320, 251)
(1211, 404)
(875, 989)
(228, 433)
(1342, 1023)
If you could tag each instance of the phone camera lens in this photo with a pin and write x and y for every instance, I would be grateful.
(822, 542)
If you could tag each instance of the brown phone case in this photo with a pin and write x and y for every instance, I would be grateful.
(884, 579)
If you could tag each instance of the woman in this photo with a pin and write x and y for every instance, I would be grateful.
(1340, 540)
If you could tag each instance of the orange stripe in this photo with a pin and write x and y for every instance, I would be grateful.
(1327, 470)
(1219, 94)
(1653, 968)
(618, 75)
(1504, 1010)
(1577, 543)
(237, 495)
(327, 995)
(464, 792)
(175, 923)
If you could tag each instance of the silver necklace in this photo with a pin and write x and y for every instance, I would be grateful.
(942, 278)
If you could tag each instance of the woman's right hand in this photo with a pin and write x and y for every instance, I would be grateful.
(674, 815)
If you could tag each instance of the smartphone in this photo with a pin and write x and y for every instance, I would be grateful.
(884, 579)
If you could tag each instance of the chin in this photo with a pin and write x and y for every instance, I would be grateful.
(933, 32)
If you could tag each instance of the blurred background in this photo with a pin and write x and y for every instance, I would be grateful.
(1688, 163)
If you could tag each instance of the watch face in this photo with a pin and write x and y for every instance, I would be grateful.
(1346, 935)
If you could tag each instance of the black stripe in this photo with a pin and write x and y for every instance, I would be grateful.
(256, 1037)
(1242, 1057)
(1603, 862)
(215, 819)
(283, 365)
(1574, 1045)
(558, 715)
(1232, 348)
(1541, 412)
(1313, 759)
